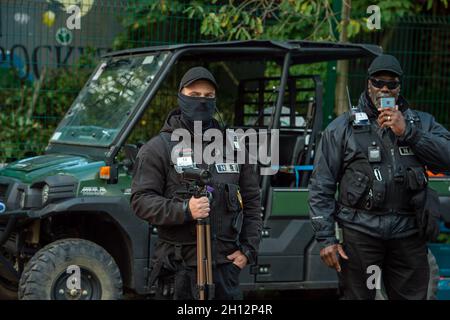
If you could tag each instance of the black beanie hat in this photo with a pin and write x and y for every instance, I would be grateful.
(194, 74)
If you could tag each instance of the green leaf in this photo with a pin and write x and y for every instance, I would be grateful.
(225, 20)
(259, 26)
(238, 34)
(245, 17)
(189, 11)
(246, 34)
(204, 26)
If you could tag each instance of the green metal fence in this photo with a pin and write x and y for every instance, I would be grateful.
(422, 45)
(43, 63)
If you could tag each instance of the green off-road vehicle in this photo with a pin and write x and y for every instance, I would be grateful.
(67, 228)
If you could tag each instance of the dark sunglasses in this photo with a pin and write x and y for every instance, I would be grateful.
(381, 83)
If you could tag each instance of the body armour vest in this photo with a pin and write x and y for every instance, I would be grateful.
(226, 213)
(384, 173)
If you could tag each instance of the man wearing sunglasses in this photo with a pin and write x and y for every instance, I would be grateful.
(376, 157)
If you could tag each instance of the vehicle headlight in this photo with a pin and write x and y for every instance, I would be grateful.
(45, 192)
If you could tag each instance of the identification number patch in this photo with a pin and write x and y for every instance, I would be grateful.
(405, 151)
(227, 168)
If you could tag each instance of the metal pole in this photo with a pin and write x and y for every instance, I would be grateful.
(200, 259)
(209, 272)
(265, 184)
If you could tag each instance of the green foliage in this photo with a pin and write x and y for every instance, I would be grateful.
(29, 112)
(21, 136)
(316, 20)
(146, 22)
(295, 19)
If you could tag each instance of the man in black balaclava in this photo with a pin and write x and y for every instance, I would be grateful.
(197, 97)
(378, 156)
(161, 197)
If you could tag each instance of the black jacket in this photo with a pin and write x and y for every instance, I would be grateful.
(155, 198)
(430, 143)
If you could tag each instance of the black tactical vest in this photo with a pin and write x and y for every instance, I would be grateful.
(226, 213)
(384, 174)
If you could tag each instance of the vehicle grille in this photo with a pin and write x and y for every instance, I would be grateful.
(3, 189)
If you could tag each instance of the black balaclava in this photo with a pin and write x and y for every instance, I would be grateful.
(196, 108)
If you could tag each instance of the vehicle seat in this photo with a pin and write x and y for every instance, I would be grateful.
(291, 148)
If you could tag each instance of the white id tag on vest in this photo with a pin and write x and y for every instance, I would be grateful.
(361, 116)
(184, 162)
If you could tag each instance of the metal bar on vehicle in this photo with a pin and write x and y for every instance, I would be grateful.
(212, 50)
(317, 127)
(284, 77)
(265, 184)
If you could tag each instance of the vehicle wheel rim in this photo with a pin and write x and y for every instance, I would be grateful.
(90, 288)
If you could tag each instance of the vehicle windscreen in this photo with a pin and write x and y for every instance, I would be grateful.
(104, 105)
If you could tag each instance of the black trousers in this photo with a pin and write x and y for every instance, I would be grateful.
(182, 284)
(403, 263)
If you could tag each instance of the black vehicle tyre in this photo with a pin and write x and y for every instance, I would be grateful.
(7, 291)
(46, 275)
(432, 282)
